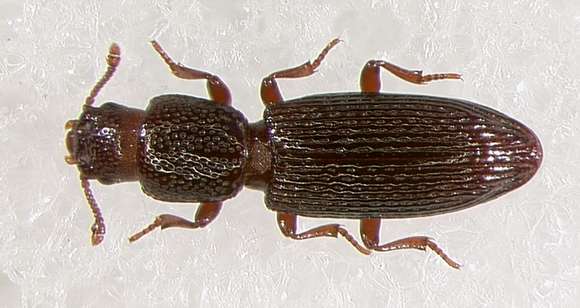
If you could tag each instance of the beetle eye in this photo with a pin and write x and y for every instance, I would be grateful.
(71, 142)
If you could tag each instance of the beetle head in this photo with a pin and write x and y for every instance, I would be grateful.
(103, 143)
(82, 142)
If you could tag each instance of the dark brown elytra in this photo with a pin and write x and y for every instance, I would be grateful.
(365, 155)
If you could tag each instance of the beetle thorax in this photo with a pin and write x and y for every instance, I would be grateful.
(194, 150)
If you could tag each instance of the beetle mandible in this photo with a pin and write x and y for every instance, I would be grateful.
(366, 155)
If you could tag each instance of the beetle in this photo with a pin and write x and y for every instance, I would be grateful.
(366, 155)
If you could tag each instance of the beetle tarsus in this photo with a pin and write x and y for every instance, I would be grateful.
(205, 214)
(270, 92)
(287, 224)
(342, 231)
(164, 221)
(156, 223)
(218, 90)
(431, 244)
(370, 79)
(417, 242)
(370, 230)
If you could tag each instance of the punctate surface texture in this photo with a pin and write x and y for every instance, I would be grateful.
(193, 150)
(393, 156)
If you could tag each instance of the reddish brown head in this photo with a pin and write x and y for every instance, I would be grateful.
(104, 141)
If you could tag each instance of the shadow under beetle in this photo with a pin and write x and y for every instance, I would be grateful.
(365, 155)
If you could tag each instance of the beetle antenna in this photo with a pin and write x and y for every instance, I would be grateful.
(113, 60)
(98, 228)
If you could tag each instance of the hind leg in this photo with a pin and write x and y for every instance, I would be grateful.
(370, 230)
(370, 79)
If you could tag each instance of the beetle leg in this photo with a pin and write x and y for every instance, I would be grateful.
(205, 214)
(269, 90)
(287, 224)
(218, 90)
(370, 230)
(370, 79)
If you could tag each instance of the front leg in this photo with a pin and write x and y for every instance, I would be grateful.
(218, 90)
(205, 214)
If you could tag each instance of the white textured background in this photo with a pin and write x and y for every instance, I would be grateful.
(520, 57)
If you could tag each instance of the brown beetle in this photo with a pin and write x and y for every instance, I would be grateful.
(366, 155)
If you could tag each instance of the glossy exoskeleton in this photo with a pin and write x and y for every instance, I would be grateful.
(365, 155)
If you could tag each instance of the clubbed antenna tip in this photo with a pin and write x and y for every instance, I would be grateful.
(113, 60)
(98, 228)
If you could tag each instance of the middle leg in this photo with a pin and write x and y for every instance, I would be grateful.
(269, 90)
(287, 224)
